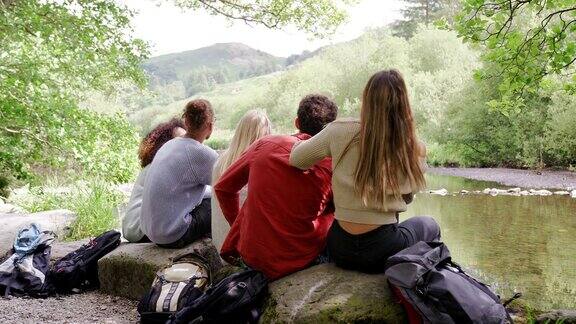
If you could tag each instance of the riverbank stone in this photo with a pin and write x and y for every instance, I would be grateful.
(129, 270)
(327, 294)
(558, 316)
(6, 208)
(58, 221)
(61, 249)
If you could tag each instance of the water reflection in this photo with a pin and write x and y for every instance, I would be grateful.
(525, 244)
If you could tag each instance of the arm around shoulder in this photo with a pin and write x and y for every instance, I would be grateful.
(309, 152)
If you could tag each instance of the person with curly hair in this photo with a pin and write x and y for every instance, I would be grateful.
(148, 148)
(176, 207)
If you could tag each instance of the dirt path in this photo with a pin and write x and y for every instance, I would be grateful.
(90, 307)
(514, 177)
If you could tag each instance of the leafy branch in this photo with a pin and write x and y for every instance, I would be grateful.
(527, 39)
(317, 17)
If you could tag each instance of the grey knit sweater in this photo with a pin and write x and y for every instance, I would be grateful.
(176, 183)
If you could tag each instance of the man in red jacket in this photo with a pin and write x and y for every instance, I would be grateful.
(282, 226)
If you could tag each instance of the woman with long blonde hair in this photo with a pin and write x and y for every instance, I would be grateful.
(251, 127)
(378, 164)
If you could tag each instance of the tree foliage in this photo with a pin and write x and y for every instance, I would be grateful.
(527, 39)
(52, 53)
(424, 12)
(317, 17)
(454, 111)
(55, 53)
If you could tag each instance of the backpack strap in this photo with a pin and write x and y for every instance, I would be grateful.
(508, 301)
(8, 287)
(511, 299)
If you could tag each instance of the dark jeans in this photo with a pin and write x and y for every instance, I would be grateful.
(144, 239)
(369, 251)
(200, 225)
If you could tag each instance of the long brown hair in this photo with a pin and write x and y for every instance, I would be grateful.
(156, 138)
(389, 151)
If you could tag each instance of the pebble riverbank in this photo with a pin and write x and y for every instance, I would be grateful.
(90, 307)
(504, 192)
(544, 179)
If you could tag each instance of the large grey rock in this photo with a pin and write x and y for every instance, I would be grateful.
(58, 221)
(60, 249)
(327, 294)
(129, 270)
(9, 208)
(558, 316)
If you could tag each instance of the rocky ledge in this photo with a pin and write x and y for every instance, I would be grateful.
(320, 294)
(58, 221)
(327, 294)
(129, 270)
(558, 316)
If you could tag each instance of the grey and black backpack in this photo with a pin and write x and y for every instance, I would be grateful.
(238, 298)
(78, 270)
(174, 287)
(434, 289)
(24, 272)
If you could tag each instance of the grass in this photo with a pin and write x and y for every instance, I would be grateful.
(95, 207)
(94, 202)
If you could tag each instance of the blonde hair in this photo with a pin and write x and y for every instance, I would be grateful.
(251, 127)
(389, 150)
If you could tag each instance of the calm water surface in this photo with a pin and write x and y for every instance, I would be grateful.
(525, 244)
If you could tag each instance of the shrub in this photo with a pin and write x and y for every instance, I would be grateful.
(96, 207)
(218, 143)
(95, 203)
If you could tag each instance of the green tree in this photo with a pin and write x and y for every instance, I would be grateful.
(527, 39)
(53, 52)
(318, 17)
(423, 12)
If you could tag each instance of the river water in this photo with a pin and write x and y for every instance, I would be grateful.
(525, 244)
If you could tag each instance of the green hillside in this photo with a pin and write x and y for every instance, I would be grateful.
(230, 101)
(201, 69)
(453, 110)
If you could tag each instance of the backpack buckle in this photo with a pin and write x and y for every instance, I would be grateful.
(422, 291)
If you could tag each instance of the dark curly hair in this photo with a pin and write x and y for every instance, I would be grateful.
(314, 112)
(156, 138)
(196, 113)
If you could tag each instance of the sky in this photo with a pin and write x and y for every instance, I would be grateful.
(170, 29)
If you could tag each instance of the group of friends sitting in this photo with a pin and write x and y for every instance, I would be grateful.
(332, 192)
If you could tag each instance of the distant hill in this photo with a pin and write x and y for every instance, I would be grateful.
(201, 69)
(174, 77)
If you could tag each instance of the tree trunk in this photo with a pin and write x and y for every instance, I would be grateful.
(427, 11)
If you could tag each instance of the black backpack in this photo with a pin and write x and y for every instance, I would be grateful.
(425, 277)
(174, 287)
(24, 271)
(78, 270)
(235, 299)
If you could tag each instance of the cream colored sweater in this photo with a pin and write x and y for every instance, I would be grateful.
(331, 142)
